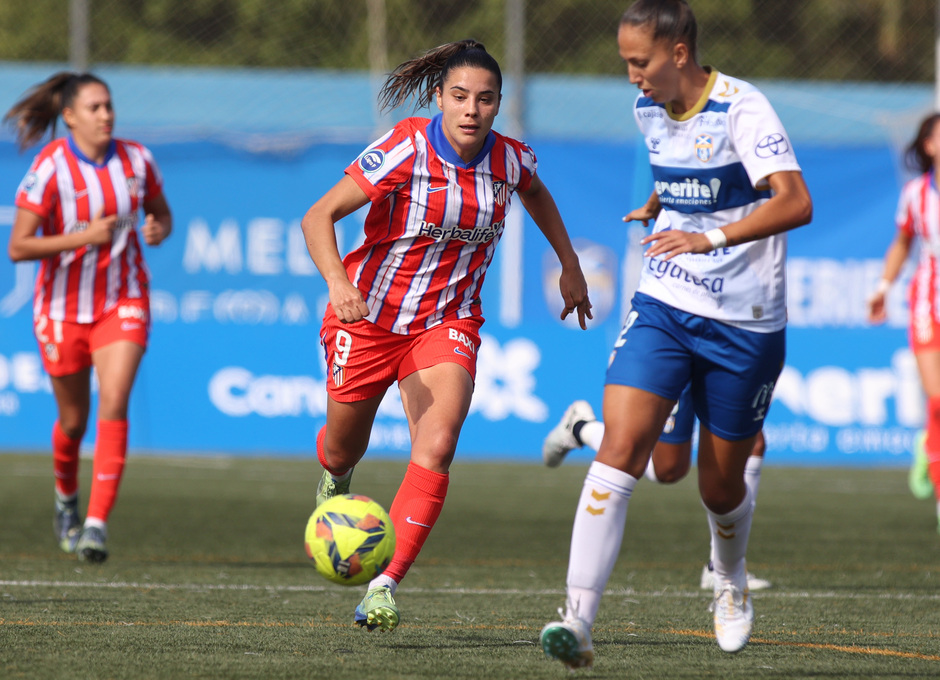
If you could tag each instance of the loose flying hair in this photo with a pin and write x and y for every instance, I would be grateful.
(670, 20)
(422, 75)
(916, 156)
(40, 108)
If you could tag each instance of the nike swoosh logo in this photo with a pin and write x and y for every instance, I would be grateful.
(107, 478)
(459, 351)
(411, 521)
(431, 190)
(79, 194)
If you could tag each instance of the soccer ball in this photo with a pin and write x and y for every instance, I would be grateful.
(350, 539)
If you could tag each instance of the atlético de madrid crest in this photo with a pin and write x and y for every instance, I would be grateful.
(500, 192)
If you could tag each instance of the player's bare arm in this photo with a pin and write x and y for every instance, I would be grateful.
(648, 211)
(24, 244)
(319, 232)
(897, 255)
(789, 207)
(158, 223)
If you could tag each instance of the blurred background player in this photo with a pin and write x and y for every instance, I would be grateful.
(670, 461)
(918, 219)
(405, 305)
(709, 312)
(77, 212)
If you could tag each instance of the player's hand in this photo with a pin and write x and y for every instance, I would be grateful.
(672, 242)
(154, 231)
(644, 214)
(100, 229)
(347, 301)
(877, 309)
(575, 294)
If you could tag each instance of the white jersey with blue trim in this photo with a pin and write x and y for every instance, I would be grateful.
(710, 167)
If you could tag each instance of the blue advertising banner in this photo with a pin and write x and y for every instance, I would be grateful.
(235, 364)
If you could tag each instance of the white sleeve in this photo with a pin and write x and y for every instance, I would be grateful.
(759, 138)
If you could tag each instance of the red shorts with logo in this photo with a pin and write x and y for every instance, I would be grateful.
(363, 359)
(66, 347)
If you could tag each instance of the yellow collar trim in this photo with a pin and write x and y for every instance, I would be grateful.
(700, 104)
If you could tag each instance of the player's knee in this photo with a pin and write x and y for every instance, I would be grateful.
(673, 472)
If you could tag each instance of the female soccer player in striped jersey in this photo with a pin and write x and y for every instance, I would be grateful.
(918, 218)
(405, 305)
(78, 211)
(710, 311)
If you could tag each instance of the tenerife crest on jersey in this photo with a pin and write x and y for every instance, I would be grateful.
(500, 192)
(704, 146)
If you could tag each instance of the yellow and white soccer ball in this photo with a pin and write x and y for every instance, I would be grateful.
(350, 539)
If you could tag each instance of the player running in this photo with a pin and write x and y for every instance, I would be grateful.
(78, 211)
(709, 312)
(918, 218)
(405, 305)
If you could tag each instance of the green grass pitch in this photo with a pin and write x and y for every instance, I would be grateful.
(208, 578)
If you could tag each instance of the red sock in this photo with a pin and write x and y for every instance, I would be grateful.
(932, 443)
(414, 511)
(321, 456)
(110, 454)
(65, 461)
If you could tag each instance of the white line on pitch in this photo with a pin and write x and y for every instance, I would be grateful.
(765, 594)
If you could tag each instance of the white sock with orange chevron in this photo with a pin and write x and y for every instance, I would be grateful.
(730, 533)
(596, 537)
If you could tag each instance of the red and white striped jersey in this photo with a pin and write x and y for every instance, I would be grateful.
(67, 190)
(434, 222)
(918, 217)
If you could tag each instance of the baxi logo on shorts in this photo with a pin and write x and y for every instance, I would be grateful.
(371, 160)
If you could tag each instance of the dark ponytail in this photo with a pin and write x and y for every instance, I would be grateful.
(39, 109)
(916, 157)
(424, 74)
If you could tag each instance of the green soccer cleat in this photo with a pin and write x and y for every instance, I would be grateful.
(66, 523)
(329, 487)
(91, 545)
(568, 641)
(377, 610)
(918, 478)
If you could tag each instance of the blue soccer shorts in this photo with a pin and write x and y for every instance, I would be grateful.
(731, 371)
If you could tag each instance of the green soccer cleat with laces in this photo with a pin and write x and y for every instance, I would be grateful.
(329, 487)
(377, 610)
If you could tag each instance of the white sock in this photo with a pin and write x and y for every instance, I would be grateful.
(592, 432)
(95, 522)
(343, 477)
(730, 533)
(596, 537)
(752, 475)
(383, 580)
(650, 473)
(752, 470)
(62, 497)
